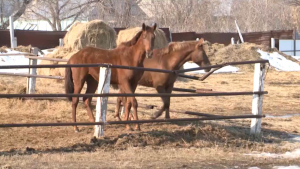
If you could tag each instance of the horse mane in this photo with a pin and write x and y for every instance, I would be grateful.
(176, 46)
(133, 41)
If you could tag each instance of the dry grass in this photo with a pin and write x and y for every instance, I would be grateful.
(211, 144)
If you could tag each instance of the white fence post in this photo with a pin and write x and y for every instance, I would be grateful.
(232, 40)
(257, 101)
(12, 33)
(238, 29)
(15, 42)
(61, 42)
(272, 43)
(101, 107)
(32, 80)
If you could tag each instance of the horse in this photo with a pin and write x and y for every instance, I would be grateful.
(130, 53)
(171, 57)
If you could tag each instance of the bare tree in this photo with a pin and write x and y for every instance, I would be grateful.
(123, 13)
(56, 11)
(14, 8)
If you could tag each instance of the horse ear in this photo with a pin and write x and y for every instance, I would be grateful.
(200, 42)
(143, 27)
(171, 45)
(154, 26)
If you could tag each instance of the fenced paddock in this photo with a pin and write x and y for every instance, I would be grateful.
(211, 143)
(257, 93)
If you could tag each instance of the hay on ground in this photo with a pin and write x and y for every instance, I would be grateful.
(219, 54)
(19, 48)
(3, 49)
(127, 34)
(95, 33)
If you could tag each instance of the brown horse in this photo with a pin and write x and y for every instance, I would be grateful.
(171, 57)
(131, 53)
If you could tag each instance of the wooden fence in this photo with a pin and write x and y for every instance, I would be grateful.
(50, 39)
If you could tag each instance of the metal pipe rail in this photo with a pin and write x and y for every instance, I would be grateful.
(29, 75)
(133, 94)
(130, 122)
(128, 67)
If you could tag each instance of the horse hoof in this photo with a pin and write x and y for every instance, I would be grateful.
(129, 129)
(76, 131)
(137, 129)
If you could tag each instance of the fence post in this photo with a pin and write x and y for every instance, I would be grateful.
(101, 107)
(272, 43)
(61, 42)
(12, 33)
(32, 80)
(240, 34)
(15, 42)
(171, 38)
(257, 101)
(232, 40)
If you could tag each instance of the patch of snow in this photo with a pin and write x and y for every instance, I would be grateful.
(279, 62)
(295, 137)
(293, 154)
(284, 116)
(296, 57)
(253, 168)
(226, 69)
(287, 167)
(14, 60)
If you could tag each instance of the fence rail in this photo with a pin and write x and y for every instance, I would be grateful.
(134, 94)
(131, 122)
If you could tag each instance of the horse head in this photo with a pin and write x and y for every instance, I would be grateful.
(199, 55)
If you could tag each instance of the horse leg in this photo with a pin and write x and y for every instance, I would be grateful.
(77, 88)
(130, 101)
(91, 88)
(118, 106)
(158, 113)
(167, 102)
(135, 106)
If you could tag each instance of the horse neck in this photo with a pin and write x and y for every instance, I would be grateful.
(178, 58)
(139, 53)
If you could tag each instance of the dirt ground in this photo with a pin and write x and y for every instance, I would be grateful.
(206, 144)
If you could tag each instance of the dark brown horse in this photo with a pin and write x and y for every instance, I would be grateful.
(131, 53)
(171, 57)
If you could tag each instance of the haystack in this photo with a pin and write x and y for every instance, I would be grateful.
(219, 54)
(127, 34)
(95, 33)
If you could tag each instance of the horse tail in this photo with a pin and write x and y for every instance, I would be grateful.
(69, 85)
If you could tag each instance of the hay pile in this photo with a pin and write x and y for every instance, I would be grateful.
(219, 53)
(19, 48)
(127, 34)
(95, 33)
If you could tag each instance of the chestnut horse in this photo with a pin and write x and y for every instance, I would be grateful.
(130, 53)
(171, 57)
